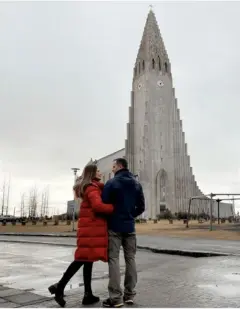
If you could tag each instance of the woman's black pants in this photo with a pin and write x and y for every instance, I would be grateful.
(71, 271)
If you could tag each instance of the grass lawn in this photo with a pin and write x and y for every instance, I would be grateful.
(195, 230)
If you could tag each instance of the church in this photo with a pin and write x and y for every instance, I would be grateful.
(155, 145)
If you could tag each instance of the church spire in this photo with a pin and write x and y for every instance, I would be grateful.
(152, 53)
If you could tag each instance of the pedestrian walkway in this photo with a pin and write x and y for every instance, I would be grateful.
(13, 298)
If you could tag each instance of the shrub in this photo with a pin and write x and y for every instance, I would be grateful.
(194, 217)
(166, 215)
(230, 219)
(182, 215)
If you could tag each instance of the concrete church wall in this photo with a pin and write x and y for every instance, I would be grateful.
(105, 164)
(225, 209)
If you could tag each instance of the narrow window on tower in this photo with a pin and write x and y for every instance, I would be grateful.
(139, 68)
(135, 71)
(159, 64)
(143, 65)
(166, 67)
(153, 63)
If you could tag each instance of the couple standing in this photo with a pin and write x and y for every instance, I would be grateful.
(106, 222)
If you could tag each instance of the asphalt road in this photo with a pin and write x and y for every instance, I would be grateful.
(158, 242)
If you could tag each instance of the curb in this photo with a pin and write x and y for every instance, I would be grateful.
(37, 243)
(187, 253)
(39, 234)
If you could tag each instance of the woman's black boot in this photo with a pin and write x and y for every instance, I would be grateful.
(58, 288)
(90, 299)
(59, 296)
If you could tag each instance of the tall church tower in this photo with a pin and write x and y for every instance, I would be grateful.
(155, 144)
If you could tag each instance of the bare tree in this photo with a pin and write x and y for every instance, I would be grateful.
(42, 206)
(3, 197)
(22, 210)
(33, 202)
(8, 194)
(45, 200)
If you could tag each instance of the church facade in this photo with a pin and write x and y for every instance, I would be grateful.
(155, 146)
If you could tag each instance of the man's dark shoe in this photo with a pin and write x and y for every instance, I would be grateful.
(54, 289)
(108, 303)
(128, 300)
(90, 299)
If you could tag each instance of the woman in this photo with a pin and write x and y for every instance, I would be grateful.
(92, 235)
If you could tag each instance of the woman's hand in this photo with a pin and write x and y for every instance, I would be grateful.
(75, 195)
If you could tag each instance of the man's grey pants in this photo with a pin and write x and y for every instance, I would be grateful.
(129, 244)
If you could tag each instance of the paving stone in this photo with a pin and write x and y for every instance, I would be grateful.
(3, 288)
(8, 305)
(9, 292)
(2, 300)
(25, 298)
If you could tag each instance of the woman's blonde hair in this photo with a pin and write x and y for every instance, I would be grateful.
(89, 173)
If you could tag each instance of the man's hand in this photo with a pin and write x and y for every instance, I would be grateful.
(107, 193)
(140, 204)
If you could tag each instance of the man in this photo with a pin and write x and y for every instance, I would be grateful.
(126, 195)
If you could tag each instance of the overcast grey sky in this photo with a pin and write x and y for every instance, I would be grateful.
(65, 81)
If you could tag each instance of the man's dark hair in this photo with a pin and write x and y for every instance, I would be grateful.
(121, 161)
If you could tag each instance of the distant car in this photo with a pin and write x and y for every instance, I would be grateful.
(7, 218)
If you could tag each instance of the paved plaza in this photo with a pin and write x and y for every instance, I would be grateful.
(27, 269)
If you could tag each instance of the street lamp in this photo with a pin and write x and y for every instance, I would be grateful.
(75, 170)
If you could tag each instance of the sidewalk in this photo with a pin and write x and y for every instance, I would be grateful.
(176, 282)
(159, 244)
(12, 298)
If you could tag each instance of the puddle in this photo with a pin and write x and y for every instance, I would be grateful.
(226, 290)
(233, 277)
